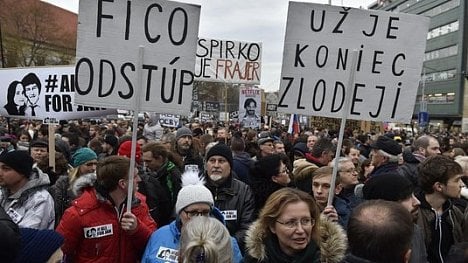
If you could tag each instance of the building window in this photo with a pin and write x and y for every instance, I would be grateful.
(438, 98)
(442, 8)
(404, 5)
(441, 53)
(441, 75)
(442, 30)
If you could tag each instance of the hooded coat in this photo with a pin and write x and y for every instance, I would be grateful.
(332, 246)
(32, 206)
(92, 231)
(64, 194)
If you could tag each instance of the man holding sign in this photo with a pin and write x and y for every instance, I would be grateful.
(118, 236)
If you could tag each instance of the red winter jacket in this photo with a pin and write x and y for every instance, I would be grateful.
(92, 230)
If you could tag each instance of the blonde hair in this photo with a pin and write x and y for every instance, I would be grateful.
(278, 201)
(205, 239)
(73, 174)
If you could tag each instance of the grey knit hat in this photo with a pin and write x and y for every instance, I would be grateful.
(184, 131)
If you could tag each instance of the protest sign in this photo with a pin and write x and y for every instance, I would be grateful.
(228, 61)
(211, 106)
(250, 102)
(271, 107)
(110, 34)
(169, 120)
(43, 93)
(317, 61)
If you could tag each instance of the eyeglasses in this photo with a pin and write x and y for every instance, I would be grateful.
(194, 213)
(292, 224)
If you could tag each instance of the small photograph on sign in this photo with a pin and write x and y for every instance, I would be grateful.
(23, 96)
(249, 107)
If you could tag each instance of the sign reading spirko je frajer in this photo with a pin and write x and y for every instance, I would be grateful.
(228, 61)
(109, 36)
(318, 49)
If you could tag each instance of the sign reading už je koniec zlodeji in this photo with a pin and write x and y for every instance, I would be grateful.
(109, 36)
(318, 47)
(45, 93)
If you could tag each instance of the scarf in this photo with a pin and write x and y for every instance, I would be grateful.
(311, 254)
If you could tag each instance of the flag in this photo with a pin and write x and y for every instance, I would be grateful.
(294, 124)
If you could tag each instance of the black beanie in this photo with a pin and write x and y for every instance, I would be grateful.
(112, 141)
(222, 150)
(389, 187)
(267, 166)
(19, 161)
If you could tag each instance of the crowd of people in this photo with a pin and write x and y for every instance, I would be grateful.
(207, 192)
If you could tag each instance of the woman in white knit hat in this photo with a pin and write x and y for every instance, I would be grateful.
(194, 199)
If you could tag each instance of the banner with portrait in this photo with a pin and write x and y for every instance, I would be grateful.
(43, 92)
(250, 102)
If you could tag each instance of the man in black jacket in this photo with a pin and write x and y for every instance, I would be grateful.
(161, 182)
(443, 223)
(422, 148)
(396, 188)
(234, 198)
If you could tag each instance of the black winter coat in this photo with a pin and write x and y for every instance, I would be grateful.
(236, 202)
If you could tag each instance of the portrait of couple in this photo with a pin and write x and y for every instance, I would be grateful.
(22, 96)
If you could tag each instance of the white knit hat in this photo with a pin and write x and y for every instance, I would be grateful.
(193, 192)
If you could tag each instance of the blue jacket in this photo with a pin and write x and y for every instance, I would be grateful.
(163, 245)
(343, 210)
(241, 163)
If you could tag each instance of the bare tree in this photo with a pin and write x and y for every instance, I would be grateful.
(32, 35)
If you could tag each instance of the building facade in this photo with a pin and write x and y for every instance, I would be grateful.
(443, 89)
(36, 33)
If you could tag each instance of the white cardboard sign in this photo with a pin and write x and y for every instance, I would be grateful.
(228, 61)
(109, 36)
(316, 65)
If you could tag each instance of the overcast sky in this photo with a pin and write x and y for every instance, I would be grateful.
(246, 20)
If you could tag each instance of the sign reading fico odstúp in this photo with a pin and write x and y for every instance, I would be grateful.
(109, 36)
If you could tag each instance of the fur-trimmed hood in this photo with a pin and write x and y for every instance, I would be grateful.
(333, 243)
(83, 181)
